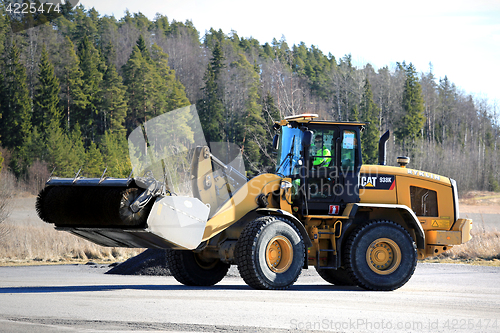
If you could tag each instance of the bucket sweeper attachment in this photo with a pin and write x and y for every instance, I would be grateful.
(357, 224)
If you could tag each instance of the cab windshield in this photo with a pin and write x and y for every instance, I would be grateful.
(290, 145)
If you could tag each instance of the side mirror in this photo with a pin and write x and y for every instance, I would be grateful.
(308, 137)
(276, 142)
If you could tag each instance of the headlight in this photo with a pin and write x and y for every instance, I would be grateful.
(285, 185)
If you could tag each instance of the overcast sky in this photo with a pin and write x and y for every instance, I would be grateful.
(460, 37)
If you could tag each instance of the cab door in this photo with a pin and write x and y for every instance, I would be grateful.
(330, 185)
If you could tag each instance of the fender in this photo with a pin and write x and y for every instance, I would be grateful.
(295, 221)
(406, 213)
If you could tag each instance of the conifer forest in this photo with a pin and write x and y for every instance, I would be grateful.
(73, 89)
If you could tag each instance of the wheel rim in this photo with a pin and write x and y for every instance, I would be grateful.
(383, 256)
(279, 254)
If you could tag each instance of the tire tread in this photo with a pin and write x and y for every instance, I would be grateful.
(246, 248)
(178, 264)
(348, 256)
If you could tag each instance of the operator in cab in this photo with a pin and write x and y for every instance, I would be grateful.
(322, 155)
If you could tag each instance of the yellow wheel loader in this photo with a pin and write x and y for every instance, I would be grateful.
(357, 224)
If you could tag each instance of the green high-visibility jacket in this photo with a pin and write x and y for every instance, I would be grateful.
(322, 161)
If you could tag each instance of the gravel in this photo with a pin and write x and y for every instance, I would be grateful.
(152, 262)
(149, 262)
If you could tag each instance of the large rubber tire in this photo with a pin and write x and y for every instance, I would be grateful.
(338, 277)
(380, 255)
(270, 253)
(190, 269)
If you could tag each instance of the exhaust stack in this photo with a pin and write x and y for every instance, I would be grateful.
(381, 147)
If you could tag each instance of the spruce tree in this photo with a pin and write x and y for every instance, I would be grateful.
(161, 24)
(33, 149)
(73, 98)
(115, 153)
(369, 115)
(141, 44)
(171, 91)
(410, 125)
(133, 80)
(16, 104)
(4, 27)
(46, 102)
(113, 98)
(58, 147)
(210, 107)
(252, 137)
(270, 114)
(76, 155)
(92, 67)
(354, 113)
(141, 79)
(157, 61)
(65, 152)
(94, 163)
(86, 24)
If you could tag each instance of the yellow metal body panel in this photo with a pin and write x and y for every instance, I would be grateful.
(440, 231)
(465, 226)
(404, 178)
(443, 221)
(243, 201)
(438, 241)
(286, 197)
(443, 237)
(204, 180)
(410, 173)
(400, 194)
(378, 196)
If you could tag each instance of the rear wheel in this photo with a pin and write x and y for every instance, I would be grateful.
(270, 253)
(338, 277)
(191, 269)
(380, 255)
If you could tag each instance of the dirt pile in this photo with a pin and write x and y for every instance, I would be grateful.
(152, 262)
(149, 262)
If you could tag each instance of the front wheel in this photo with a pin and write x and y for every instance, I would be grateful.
(380, 255)
(191, 269)
(270, 253)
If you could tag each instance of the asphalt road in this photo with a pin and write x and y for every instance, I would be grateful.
(81, 298)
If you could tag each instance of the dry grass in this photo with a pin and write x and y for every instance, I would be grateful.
(32, 241)
(7, 186)
(7, 189)
(480, 198)
(44, 245)
(483, 248)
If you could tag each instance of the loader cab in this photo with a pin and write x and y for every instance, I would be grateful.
(323, 159)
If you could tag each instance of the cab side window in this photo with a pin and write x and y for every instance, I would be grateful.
(423, 201)
(323, 148)
(349, 145)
